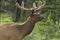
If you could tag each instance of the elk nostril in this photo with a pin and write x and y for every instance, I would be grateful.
(42, 18)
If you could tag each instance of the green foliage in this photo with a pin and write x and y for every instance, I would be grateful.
(44, 30)
(5, 18)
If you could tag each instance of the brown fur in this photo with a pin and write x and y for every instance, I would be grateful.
(16, 32)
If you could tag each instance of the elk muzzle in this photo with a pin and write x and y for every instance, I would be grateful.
(41, 17)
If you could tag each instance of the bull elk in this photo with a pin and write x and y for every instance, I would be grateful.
(18, 32)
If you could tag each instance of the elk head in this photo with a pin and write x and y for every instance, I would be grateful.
(35, 11)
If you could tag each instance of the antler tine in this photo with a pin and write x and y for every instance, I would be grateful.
(22, 4)
(42, 4)
(39, 3)
(34, 6)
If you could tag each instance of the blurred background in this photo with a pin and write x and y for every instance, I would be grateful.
(44, 30)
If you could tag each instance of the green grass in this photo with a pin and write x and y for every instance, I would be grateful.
(42, 30)
(5, 18)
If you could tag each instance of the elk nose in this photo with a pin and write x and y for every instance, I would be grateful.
(42, 17)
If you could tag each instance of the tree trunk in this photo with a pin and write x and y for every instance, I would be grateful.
(17, 16)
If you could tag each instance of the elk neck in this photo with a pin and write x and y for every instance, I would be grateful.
(30, 22)
(28, 26)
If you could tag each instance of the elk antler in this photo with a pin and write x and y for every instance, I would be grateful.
(38, 7)
(22, 6)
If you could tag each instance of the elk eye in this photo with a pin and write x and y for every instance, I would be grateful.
(34, 13)
(38, 13)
